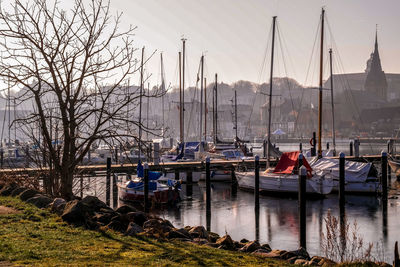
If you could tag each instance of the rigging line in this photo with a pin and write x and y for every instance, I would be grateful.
(348, 87)
(306, 79)
(259, 85)
(284, 65)
(195, 93)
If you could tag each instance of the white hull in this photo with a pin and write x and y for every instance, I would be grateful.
(281, 183)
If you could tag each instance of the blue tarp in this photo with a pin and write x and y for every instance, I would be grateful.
(140, 171)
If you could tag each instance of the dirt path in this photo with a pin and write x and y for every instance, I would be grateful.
(7, 210)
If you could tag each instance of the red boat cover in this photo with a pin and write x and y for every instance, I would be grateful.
(288, 163)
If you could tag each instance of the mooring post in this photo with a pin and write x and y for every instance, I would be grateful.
(384, 175)
(208, 194)
(342, 180)
(300, 161)
(313, 145)
(302, 205)
(396, 261)
(108, 180)
(156, 153)
(351, 148)
(357, 148)
(265, 148)
(146, 187)
(327, 145)
(301, 147)
(115, 191)
(1, 157)
(257, 182)
(177, 174)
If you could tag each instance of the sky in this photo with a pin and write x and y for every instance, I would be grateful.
(234, 35)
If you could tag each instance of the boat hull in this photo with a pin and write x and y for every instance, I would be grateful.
(370, 187)
(284, 184)
(164, 196)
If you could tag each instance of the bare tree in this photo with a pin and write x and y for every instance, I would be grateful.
(73, 67)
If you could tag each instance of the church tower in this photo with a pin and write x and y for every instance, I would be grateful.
(376, 83)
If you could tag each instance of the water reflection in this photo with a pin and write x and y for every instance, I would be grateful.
(276, 220)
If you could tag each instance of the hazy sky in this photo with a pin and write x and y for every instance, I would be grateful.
(234, 34)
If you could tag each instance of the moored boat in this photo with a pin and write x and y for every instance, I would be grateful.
(284, 179)
(395, 166)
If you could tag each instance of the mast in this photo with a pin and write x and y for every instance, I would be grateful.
(320, 86)
(205, 109)
(270, 90)
(140, 106)
(147, 111)
(9, 113)
(216, 109)
(180, 101)
(236, 124)
(163, 93)
(183, 88)
(333, 105)
(201, 99)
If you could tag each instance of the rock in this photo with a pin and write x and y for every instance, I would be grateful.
(301, 262)
(200, 241)
(287, 255)
(292, 260)
(198, 232)
(7, 189)
(137, 217)
(125, 209)
(261, 250)
(103, 218)
(94, 203)
(178, 233)
(250, 246)
(2, 185)
(27, 194)
(301, 253)
(226, 242)
(244, 241)
(322, 261)
(117, 226)
(267, 247)
(157, 225)
(133, 229)
(238, 245)
(18, 191)
(213, 237)
(40, 201)
(57, 205)
(76, 212)
(274, 254)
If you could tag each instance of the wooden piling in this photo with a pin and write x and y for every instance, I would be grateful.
(302, 205)
(327, 145)
(257, 182)
(301, 147)
(108, 180)
(342, 180)
(351, 148)
(189, 183)
(177, 174)
(396, 261)
(2, 157)
(384, 175)
(208, 194)
(115, 191)
(313, 147)
(146, 188)
(357, 148)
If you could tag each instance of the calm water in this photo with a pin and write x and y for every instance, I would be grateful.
(277, 224)
(278, 218)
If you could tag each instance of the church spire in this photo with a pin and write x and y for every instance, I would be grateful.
(375, 82)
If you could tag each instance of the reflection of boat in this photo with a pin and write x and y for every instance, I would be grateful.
(285, 179)
(160, 193)
(359, 177)
(395, 166)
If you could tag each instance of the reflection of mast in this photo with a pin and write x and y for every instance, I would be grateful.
(320, 87)
(270, 90)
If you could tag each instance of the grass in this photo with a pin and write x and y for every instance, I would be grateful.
(38, 237)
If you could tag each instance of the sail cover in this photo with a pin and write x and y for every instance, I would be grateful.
(354, 171)
(288, 163)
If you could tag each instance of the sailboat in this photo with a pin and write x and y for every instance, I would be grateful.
(284, 177)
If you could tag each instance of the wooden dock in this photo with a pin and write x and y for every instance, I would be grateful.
(169, 166)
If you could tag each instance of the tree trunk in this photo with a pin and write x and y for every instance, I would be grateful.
(67, 177)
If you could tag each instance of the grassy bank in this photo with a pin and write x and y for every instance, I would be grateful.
(37, 237)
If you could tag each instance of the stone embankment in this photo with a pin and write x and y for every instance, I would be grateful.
(94, 214)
